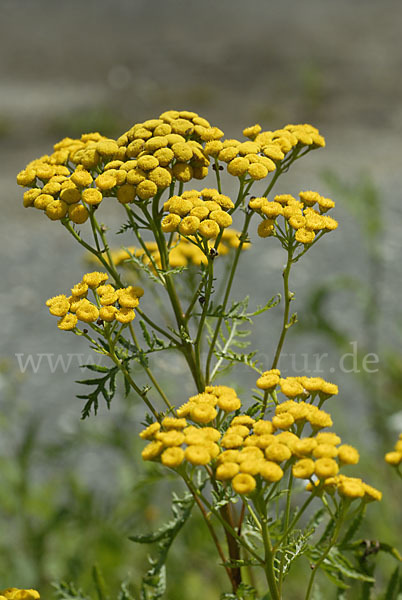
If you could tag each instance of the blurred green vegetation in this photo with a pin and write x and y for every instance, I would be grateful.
(57, 526)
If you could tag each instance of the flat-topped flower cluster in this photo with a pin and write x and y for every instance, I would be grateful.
(247, 452)
(148, 158)
(110, 304)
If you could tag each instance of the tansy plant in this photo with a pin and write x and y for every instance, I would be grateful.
(273, 483)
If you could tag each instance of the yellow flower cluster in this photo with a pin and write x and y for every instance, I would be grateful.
(195, 212)
(139, 164)
(17, 594)
(299, 215)
(110, 304)
(395, 458)
(250, 449)
(351, 488)
(296, 387)
(62, 183)
(261, 154)
(200, 439)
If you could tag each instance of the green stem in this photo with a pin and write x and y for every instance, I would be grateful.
(157, 327)
(287, 298)
(186, 347)
(208, 292)
(127, 376)
(140, 240)
(277, 173)
(225, 524)
(269, 554)
(295, 520)
(218, 177)
(149, 372)
(227, 294)
(324, 556)
(93, 251)
(102, 234)
(213, 535)
(195, 296)
(286, 525)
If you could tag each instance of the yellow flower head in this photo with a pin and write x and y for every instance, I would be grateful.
(94, 279)
(243, 420)
(150, 431)
(152, 450)
(170, 438)
(172, 457)
(174, 423)
(303, 469)
(348, 455)
(305, 446)
(283, 421)
(327, 437)
(209, 229)
(371, 493)
(197, 455)
(271, 471)
(351, 488)
(124, 315)
(227, 470)
(243, 483)
(290, 387)
(252, 132)
(326, 467)
(393, 458)
(263, 427)
(87, 312)
(203, 413)
(68, 322)
(325, 451)
(277, 452)
(59, 305)
(268, 380)
(265, 228)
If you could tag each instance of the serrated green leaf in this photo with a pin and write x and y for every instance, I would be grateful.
(296, 546)
(100, 384)
(154, 582)
(274, 301)
(145, 333)
(173, 271)
(337, 566)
